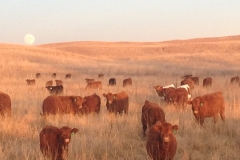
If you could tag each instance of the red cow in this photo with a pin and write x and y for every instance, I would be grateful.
(127, 82)
(207, 82)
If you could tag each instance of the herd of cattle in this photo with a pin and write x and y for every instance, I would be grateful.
(161, 142)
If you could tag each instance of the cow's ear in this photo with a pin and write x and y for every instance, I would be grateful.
(201, 104)
(104, 95)
(156, 87)
(189, 102)
(73, 131)
(175, 127)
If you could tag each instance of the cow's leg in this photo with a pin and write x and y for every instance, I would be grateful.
(215, 118)
(222, 115)
(201, 120)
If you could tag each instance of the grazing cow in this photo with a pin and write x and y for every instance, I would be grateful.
(195, 80)
(151, 113)
(162, 91)
(177, 96)
(68, 76)
(54, 75)
(91, 104)
(88, 80)
(62, 105)
(207, 82)
(94, 85)
(209, 105)
(58, 82)
(55, 89)
(38, 75)
(235, 80)
(100, 75)
(117, 103)
(49, 83)
(5, 105)
(189, 82)
(31, 82)
(112, 82)
(54, 141)
(127, 82)
(161, 142)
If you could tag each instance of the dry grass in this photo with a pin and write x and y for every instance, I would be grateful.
(105, 136)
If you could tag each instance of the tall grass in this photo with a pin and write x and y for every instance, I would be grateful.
(106, 136)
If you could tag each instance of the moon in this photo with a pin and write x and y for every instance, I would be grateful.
(29, 39)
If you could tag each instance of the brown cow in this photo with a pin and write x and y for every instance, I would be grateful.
(151, 113)
(94, 85)
(235, 80)
(100, 75)
(54, 141)
(5, 105)
(127, 82)
(195, 80)
(58, 82)
(189, 82)
(207, 82)
(91, 104)
(68, 76)
(209, 105)
(117, 103)
(38, 75)
(161, 142)
(88, 80)
(162, 91)
(177, 96)
(31, 82)
(49, 83)
(112, 82)
(62, 105)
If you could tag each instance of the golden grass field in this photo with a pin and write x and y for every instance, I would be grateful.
(106, 136)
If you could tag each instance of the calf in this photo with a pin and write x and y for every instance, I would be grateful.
(151, 113)
(68, 76)
(53, 105)
(178, 96)
(161, 142)
(117, 103)
(5, 105)
(54, 141)
(209, 105)
(94, 85)
(235, 80)
(31, 82)
(207, 82)
(91, 104)
(100, 75)
(55, 89)
(127, 82)
(112, 82)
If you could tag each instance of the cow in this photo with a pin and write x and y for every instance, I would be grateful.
(127, 82)
(58, 82)
(161, 142)
(53, 105)
(151, 113)
(112, 82)
(100, 75)
(38, 75)
(209, 105)
(55, 89)
(189, 82)
(88, 80)
(117, 103)
(94, 85)
(31, 82)
(54, 75)
(195, 80)
(91, 104)
(54, 141)
(177, 96)
(49, 83)
(207, 82)
(187, 88)
(5, 105)
(162, 91)
(68, 76)
(235, 80)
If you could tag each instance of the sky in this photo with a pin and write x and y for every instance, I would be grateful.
(54, 21)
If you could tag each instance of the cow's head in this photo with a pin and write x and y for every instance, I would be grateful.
(77, 101)
(166, 130)
(110, 97)
(159, 90)
(196, 105)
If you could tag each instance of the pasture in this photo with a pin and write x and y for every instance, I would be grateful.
(106, 136)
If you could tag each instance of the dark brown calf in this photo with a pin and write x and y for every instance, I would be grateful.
(235, 80)
(117, 103)
(207, 82)
(54, 141)
(127, 82)
(209, 105)
(151, 113)
(112, 82)
(161, 142)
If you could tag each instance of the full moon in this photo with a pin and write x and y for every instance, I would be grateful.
(29, 39)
